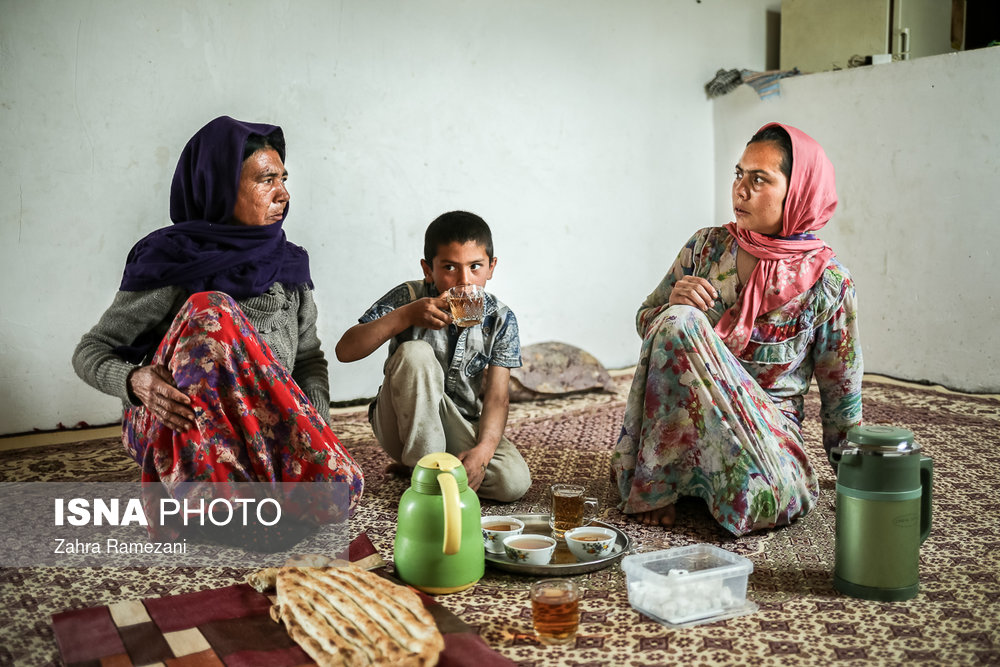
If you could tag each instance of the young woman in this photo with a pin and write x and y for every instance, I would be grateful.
(746, 317)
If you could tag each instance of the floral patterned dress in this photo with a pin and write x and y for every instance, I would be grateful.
(702, 422)
(253, 422)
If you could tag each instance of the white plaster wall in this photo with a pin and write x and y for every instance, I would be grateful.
(578, 128)
(914, 145)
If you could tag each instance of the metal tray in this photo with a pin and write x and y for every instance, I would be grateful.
(563, 562)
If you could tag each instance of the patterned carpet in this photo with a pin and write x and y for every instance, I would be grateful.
(955, 620)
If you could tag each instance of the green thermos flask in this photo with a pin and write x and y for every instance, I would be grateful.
(883, 513)
(439, 539)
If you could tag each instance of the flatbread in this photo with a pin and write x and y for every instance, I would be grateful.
(266, 579)
(344, 615)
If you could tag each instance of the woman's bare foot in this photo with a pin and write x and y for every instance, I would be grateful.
(661, 516)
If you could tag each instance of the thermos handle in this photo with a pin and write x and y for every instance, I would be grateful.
(926, 477)
(838, 454)
(452, 513)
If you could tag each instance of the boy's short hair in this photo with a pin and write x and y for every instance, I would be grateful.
(457, 227)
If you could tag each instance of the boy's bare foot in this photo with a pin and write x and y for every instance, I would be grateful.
(398, 470)
(661, 516)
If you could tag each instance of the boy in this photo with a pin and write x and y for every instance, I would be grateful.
(445, 387)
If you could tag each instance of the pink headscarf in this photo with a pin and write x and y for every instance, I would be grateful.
(788, 266)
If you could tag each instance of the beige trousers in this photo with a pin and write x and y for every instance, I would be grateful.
(414, 417)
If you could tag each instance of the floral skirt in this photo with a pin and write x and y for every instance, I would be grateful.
(253, 422)
(697, 424)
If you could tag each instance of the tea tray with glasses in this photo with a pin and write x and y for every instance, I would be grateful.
(563, 562)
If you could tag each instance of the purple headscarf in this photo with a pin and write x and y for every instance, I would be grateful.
(205, 249)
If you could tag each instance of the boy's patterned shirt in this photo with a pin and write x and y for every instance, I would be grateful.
(463, 352)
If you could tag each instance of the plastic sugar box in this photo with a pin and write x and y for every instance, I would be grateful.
(689, 585)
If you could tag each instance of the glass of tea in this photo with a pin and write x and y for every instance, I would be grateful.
(569, 508)
(555, 610)
(466, 303)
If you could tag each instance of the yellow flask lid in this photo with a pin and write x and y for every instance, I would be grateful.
(439, 461)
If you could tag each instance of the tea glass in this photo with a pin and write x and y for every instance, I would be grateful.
(466, 303)
(570, 508)
(555, 610)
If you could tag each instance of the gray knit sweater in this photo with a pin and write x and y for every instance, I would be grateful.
(284, 317)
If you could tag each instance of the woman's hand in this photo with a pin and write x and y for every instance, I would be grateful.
(430, 313)
(154, 387)
(693, 291)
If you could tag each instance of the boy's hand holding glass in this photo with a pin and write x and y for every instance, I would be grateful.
(430, 313)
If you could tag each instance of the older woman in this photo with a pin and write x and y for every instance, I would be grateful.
(211, 339)
(747, 315)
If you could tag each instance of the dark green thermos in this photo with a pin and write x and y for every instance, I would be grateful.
(883, 513)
